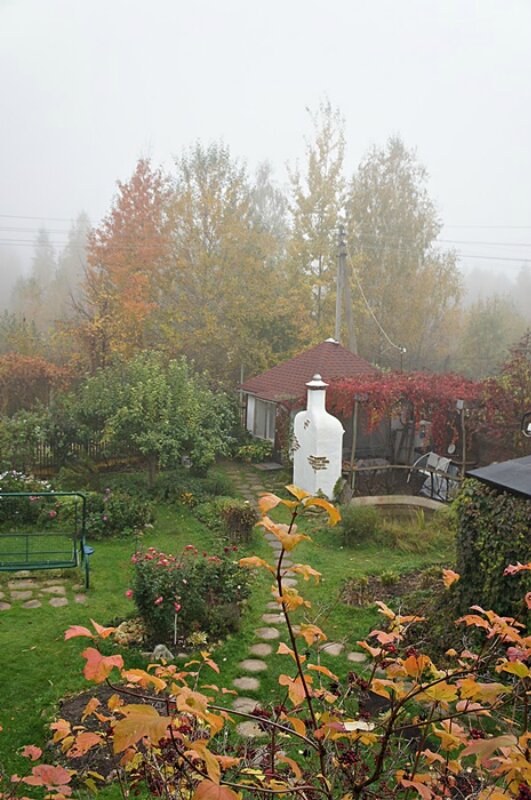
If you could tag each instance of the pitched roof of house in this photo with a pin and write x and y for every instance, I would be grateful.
(287, 381)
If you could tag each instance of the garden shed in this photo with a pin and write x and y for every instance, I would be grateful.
(512, 476)
(271, 398)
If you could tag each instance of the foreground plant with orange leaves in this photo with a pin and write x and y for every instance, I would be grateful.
(402, 728)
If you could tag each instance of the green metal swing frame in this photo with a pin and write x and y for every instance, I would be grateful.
(26, 550)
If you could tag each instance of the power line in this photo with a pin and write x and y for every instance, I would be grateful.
(488, 227)
(66, 232)
(52, 219)
(369, 307)
(137, 243)
(444, 225)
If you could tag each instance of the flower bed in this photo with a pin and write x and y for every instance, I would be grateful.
(177, 596)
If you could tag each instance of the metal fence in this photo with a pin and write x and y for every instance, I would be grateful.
(43, 459)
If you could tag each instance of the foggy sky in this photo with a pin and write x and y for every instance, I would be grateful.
(87, 87)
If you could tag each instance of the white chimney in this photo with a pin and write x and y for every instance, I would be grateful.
(317, 443)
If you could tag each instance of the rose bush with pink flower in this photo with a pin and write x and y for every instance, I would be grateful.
(204, 590)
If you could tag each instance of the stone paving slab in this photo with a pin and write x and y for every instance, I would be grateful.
(54, 590)
(32, 604)
(289, 581)
(332, 648)
(246, 683)
(56, 602)
(261, 649)
(245, 704)
(357, 658)
(21, 595)
(272, 605)
(250, 730)
(22, 584)
(267, 633)
(253, 665)
(80, 598)
(4, 606)
(273, 619)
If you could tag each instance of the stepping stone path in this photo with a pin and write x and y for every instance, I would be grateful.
(249, 485)
(24, 589)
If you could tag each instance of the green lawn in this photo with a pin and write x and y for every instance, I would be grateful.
(37, 668)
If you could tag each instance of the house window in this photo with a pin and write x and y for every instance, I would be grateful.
(264, 420)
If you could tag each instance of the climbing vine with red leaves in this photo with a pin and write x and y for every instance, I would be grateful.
(431, 396)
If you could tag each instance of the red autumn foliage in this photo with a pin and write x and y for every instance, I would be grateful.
(430, 396)
(26, 380)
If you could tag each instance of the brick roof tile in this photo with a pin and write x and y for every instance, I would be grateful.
(287, 381)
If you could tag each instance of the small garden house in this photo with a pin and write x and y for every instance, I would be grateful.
(272, 398)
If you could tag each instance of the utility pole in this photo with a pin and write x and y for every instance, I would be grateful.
(340, 280)
(344, 295)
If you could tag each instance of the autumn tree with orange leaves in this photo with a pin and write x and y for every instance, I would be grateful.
(128, 257)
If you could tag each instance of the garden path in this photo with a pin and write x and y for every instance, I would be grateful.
(250, 485)
(24, 589)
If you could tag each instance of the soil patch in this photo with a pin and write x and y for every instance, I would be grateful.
(364, 591)
(99, 759)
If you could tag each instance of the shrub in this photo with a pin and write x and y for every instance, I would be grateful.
(209, 513)
(255, 451)
(360, 524)
(172, 485)
(176, 596)
(79, 475)
(493, 531)
(25, 510)
(239, 518)
(114, 513)
(216, 484)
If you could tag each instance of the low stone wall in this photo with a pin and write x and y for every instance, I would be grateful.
(400, 502)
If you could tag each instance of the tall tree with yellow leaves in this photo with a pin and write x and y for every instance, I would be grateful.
(229, 310)
(317, 200)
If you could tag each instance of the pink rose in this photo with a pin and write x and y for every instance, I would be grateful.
(129, 594)
(177, 607)
(159, 600)
(52, 514)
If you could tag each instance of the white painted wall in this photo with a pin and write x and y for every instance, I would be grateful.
(317, 443)
(250, 413)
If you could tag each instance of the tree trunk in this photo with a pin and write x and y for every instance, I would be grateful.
(152, 470)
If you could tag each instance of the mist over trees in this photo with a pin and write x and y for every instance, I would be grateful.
(210, 261)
